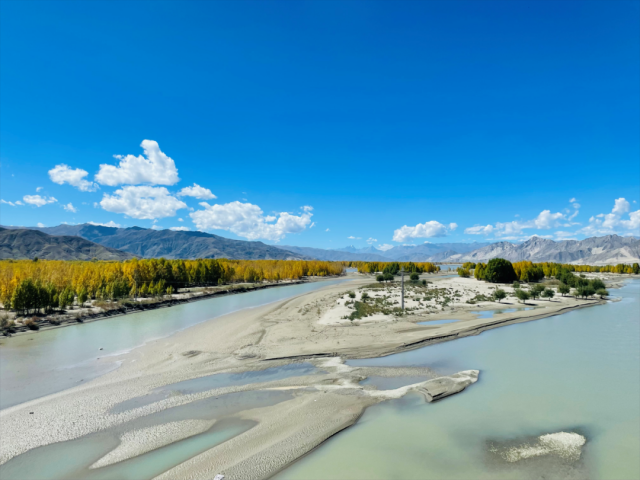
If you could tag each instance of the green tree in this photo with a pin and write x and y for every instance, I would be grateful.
(522, 295)
(536, 290)
(563, 288)
(602, 292)
(548, 293)
(414, 277)
(380, 278)
(516, 285)
(499, 270)
(388, 277)
(499, 295)
(82, 297)
(597, 284)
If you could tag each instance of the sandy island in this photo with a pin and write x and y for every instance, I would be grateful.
(314, 328)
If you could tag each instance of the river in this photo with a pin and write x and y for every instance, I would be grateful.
(575, 372)
(38, 364)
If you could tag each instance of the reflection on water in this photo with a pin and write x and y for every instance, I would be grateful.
(219, 380)
(575, 372)
(46, 362)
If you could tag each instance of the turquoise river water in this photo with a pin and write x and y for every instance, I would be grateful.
(576, 372)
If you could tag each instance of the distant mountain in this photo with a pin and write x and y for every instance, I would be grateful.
(611, 249)
(19, 244)
(149, 243)
(425, 252)
(335, 255)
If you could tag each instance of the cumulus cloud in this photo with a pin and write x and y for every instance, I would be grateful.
(40, 225)
(423, 230)
(371, 240)
(351, 237)
(37, 200)
(546, 219)
(69, 208)
(62, 173)
(384, 247)
(247, 220)
(610, 223)
(142, 202)
(479, 230)
(154, 168)
(110, 223)
(197, 191)
(179, 229)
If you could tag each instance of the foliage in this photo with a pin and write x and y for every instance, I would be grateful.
(522, 295)
(602, 292)
(478, 272)
(536, 290)
(463, 272)
(380, 278)
(499, 270)
(352, 294)
(388, 277)
(516, 285)
(549, 293)
(563, 288)
(393, 268)
(414, 277)
(499, 295)
(469, 265)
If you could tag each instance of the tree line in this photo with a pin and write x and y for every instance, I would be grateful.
(31, 285)
(392, 268)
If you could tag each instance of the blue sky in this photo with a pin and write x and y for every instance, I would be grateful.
(312, 122)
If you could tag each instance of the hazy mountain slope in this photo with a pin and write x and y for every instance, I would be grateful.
(593, 251)
(149, 243)
(27, 244)
(335, 255)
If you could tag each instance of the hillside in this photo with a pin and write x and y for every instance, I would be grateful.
(336, 255)
(610, 249)
(149, 243)
(26, 244)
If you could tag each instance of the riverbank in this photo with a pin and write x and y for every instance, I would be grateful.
(277, 334)
(117, 309)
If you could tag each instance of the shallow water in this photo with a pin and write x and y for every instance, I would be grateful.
(498, 311)
(575, 372)
(219, 380)
(46, 362)
(436, 322)
(79, 454)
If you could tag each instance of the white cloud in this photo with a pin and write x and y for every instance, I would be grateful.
(327, 230)
(38, 189)
(37, 200)
(423, 230)
(384, 247)
(156, 227)
(110, 223)
(156, 169)
(479, 230)
(197, 192)
(247, 220)
(62, 173)
(561, 235)
(371, 240)
(13, 204)
(142, 202)
(180, 220)
(546, 219)
(351, 237)
(69, 208)
(180, 229)
(610, 223)
(40, 225)
(312, 225)
(572, 200)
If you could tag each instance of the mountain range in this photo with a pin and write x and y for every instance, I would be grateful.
(88, 241)
(149, 243)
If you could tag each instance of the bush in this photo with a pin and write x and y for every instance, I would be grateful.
(499, 270)
(597, 284)
(364, 296)
(563, 288)
(522, 295)
(548, 293)
(380, 278)
(424, 282)
(602, 292)
(463, 272)
(414, 277)
(536, 290)
(351, 294)
(499, 295)
(31, 324)
(388, 277)
(516, 285)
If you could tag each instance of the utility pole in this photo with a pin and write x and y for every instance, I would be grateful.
(402, 277)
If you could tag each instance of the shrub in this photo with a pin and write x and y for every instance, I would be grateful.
(31, 324)
(563, 288)
(536, 290)
(499, 295)
(351, 294)
(548, 293)
(380, 278)
(522, 295)
(516, 285)
(414, 277)
(499, 270)
(463, 272)
(602, 292)
(424, 282)
(364, 296)
(597, 284)
(388, 277)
